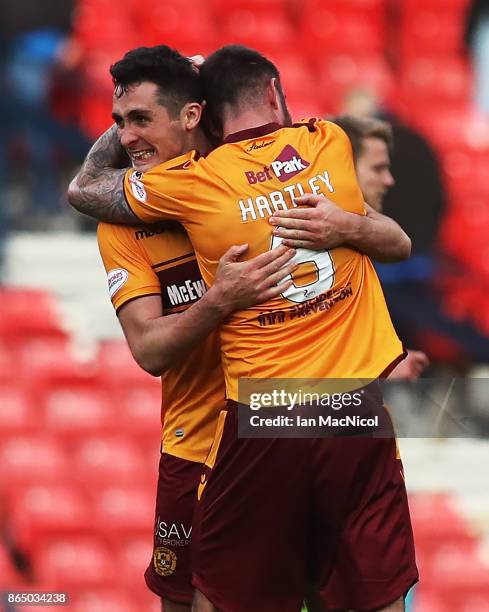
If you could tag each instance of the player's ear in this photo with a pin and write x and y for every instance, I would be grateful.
(272, 94)
(190, 115)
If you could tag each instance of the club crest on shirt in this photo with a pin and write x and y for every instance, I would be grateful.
(164, 561)
(137, 187)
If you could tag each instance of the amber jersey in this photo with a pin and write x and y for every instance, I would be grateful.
(333, 320)
(140, 262)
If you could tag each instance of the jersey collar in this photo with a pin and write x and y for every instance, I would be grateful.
(261, 130)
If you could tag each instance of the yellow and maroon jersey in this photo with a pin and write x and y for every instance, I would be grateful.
(333, 321)
(141, 262)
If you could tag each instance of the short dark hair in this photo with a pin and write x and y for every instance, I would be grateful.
(359, 128)
(234, 76)
(177, 80)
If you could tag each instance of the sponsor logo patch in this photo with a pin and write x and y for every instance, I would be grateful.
(288, 164)
(116, 279)
(137, 187)
(164, 561)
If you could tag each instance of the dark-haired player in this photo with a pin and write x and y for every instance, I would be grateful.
(263, 495)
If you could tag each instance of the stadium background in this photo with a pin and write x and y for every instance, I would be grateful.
(79, 422)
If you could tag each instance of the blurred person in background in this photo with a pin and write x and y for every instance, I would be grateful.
(371, 143)
(31, 41)
(417, 201)
(477, 40)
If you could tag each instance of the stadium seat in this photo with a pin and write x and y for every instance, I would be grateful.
(430, 32)
(265, 32)
(99, 462)
(105, 600)
(303, 106)
(415, 5)
(76, 561)
(135, 554)
(28, 459)
(461, 576)
(17, 414)
(139, 409)
(177, 23)
(296, 74)
(220, 8)
(445, 82)
(338, 75)
(436, 520)
(8, 369)
(116, 366)
(124, 510)
(327, 30)
(43, 512)
(73, 408)
(42, 355)
(25, 303)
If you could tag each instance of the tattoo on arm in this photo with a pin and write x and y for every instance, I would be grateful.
(98, 188)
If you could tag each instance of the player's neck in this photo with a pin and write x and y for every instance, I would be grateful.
(198, 141)
(248, 119)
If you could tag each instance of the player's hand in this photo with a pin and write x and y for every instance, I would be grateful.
(241, 284)
(411, 367)
(321, 225)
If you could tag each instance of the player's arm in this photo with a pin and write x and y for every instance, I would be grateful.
(156, 342)
(320, 224)
(98, 188)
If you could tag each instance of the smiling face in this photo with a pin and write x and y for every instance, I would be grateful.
(148, 132)
(373, 171)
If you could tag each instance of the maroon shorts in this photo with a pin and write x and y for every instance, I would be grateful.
(169, 575)
(273, 513)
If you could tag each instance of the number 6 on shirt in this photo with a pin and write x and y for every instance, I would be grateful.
(314, 275)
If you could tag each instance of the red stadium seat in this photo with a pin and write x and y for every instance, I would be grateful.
(8, 369)
(222, 7)
(124, 510)
(177, 23)
(414, 5)
(445, 82)
(265, 32)
(327, 29)
(42, 512)
(338, 75)
(99, 462)
(116, 365)
(77, 561)
(306, 106)
(106, 600)
(23, 303)
(28, 459)
(73, 408)
(296, 74)
(43, 355)
(139, 411)
(135, 554)
(436, 520)
(17, 414)
(429, 31)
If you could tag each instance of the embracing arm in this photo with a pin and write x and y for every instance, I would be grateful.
(156, 342)
(323, 225)
(98, 188)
